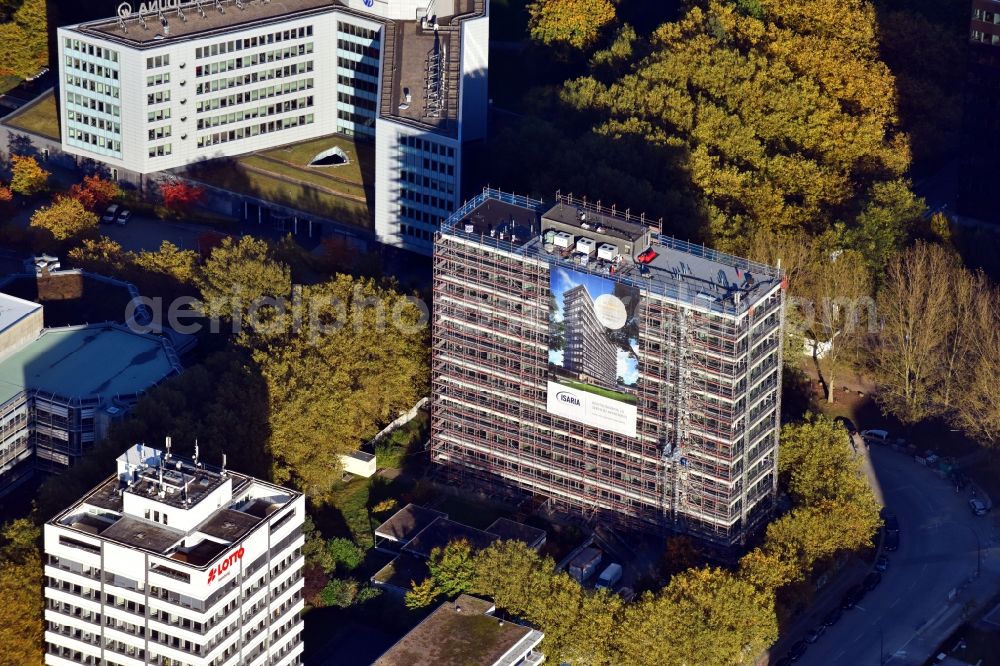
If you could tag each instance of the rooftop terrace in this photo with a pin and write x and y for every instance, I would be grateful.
(185, 483)
(672, 268)
(102, 361)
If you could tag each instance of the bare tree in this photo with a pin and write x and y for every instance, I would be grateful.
(978, 410)
(916, 310)
(838, 284)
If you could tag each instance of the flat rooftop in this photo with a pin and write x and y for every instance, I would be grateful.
(14, 309)
(407, 523)
(101, 512)
(87, 361)
(511, 530)
(457, 633)
(221, 17)
(675, 269)
(442, 532)
(423, 68)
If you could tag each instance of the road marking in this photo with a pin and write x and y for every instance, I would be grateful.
(893, 604)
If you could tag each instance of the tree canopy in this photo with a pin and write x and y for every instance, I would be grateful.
(66, 219)
(27, 177)
(576, 23)
(25, 39)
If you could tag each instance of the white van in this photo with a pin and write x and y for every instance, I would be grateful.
(877, 436)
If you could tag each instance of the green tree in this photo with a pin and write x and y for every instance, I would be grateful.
(576, 23)
(344, 553)
(782, 119)
(890, 216)
(27, 177)
(452, 567)
(339, 592)
(422, 594)
(360, 347)
(66, 219)
(21, 584)
(241, 282)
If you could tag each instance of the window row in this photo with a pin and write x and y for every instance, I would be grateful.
(254, 95)
(96, 105)
(155, 62)
(254, 130)
(257, 112)
(256, 77)
(356, 101)
(356, 118)
(410, 213)
(986, 16)
(91, 68)
(94, 140)
(93, 86)
(357, 84)
(356, 30)
(234, 45)
(158, 97)
(253, 60)
(985, 37)
(427, 146)
(355, 66)
(158, 115)
(161, 151)
(426, 199)
(98, 123)
(155, 134)
(90, 49)
(158, 79)
(435, 184)
(370, 50)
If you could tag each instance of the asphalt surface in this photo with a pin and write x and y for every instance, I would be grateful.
(932, 577)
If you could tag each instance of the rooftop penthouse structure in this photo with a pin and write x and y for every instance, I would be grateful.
(174, 560)
(681, 436)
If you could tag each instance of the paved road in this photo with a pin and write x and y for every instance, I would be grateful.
(902, 620)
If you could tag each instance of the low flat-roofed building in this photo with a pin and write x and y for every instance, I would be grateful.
(171, 560)
(405, 524)
(511, 530)
(442, 532)
(21, 322)
(464, 632)
(60, 391)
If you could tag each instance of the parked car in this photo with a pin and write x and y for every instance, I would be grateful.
(928, 458)
(881, 564)
(877, 436)
(847, 423)
(891, 541)
(832, 617)
(110, 214)
(123, 217)
(813, 634)
(798, 651)
(890, 520)
(872, 580)
(852, 597)
(978, 507)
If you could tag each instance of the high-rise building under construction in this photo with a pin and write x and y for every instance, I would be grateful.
(582, 357)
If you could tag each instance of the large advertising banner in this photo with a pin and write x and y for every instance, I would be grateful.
(593, 337)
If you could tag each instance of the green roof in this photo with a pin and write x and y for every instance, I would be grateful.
(76, 362)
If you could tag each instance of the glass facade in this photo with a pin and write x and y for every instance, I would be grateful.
(93, 93)
(357, 78)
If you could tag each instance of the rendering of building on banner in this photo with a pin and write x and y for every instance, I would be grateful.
(173, 560)
(168, 84)
(582, 357)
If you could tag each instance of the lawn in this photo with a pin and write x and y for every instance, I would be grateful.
(597, 390)
(282, 175)
(41, 118)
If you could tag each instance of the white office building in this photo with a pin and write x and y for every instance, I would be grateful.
(170, 561)
(167, 83)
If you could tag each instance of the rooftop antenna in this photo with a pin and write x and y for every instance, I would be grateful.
(167, 457)
(160, 471)
(223, 464)
(196, 453)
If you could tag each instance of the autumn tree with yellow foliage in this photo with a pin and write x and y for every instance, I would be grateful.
(576, 23)
(21, 584)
